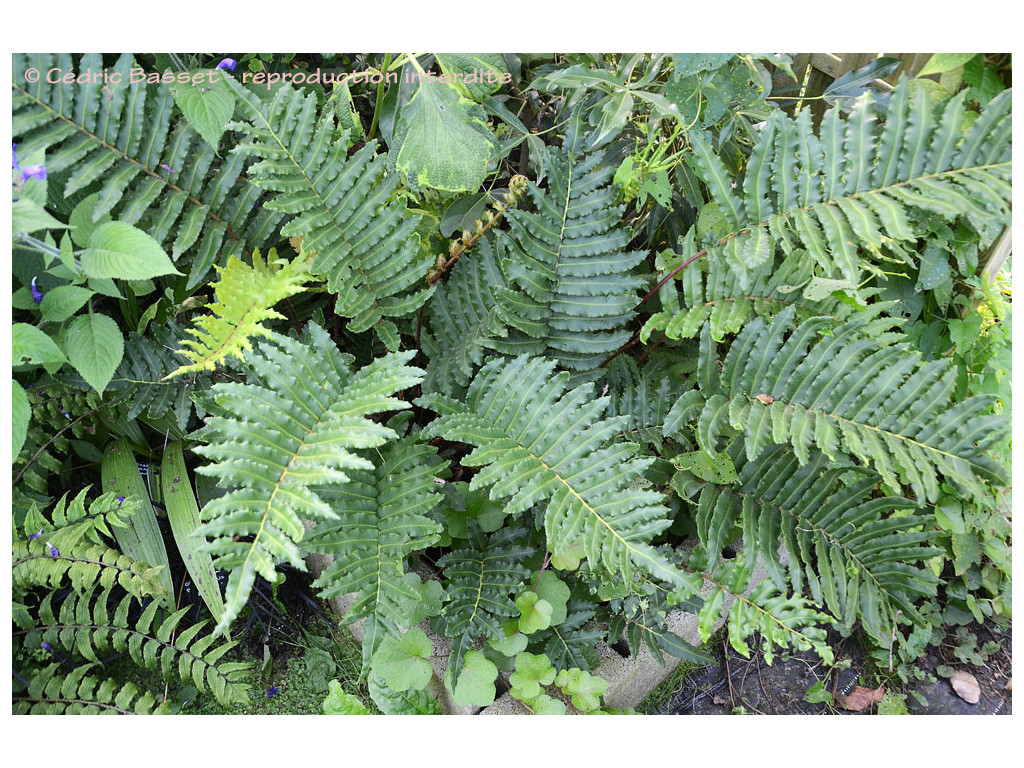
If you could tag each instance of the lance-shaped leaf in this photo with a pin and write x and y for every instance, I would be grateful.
(296, 426)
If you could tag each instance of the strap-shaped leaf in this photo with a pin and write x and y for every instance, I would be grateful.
(296, 426)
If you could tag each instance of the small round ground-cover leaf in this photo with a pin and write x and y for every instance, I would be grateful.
(403, 662)
(476, 681)
(536, 613)
(532, 671)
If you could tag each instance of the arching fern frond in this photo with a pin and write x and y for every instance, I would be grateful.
(150, 170)
(539, 442)
(573, 296)
(710, 291)
(69, 550)
(381, 520)
(363, 241)
(294, 427)
(245, 299)
(859, 184)
(859, 556)
(851, 390)
(78, 693)
(84, 625)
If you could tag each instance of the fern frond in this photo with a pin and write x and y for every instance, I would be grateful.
(152, 171)
(481, 581)
(275, 440)
(82, 559)
(572, 295)
(711, 291)
(859, 556)
(539, 442)
(381, 520)
(463, 316)
(245, 299)
(573, 643)
(858, 183)
(85, 625)
(852, 390)
(783, 621)
(78, 693)
(364, 242)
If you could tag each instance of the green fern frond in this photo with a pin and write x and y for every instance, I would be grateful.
(245, 299)
(363, 240)
(294, 427)
(143, 373)
(150, 170)
(710, 291)
(539, 442)
(573, 643)
(381, 519)
(860, 556)
(52, 693)
(481, 581)
(852, 390)
(82, 559)
(463, 316)
(857, 183)
(85, 625)
(572, 295)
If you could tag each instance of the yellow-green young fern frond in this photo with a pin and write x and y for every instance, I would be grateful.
(294, 428)
(245, 298)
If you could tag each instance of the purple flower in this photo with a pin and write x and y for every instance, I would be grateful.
(271, 691)
(47, 646)
(120, 500)
(36, 535)
(34, 172)
(54, 552)
(37, 295)
(227, 64)
(14, 158)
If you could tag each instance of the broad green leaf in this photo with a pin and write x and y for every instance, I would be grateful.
(392, 702)
(478, 75)
(570, 559)
(510, 645)
(443, 140)
(944, 62)
(403, 662)
(28, 216)
(207, 102)
(31, 346)
(62, 302)
(817, 694)
(340, 703)
(95, 348)
(556, 592)
(476, 681)
(21, 414)
(82, 222)
(536, 613)
(613, 116)
(117, 249)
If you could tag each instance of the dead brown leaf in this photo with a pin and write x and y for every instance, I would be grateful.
(766, 399)
(966, 686)
(860, 698)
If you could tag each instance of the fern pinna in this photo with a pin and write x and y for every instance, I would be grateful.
(296, 425)
(119, 140)
(858, 184)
